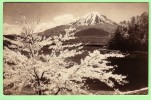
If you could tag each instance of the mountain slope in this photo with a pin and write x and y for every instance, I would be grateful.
(55, 31)
(92, 32)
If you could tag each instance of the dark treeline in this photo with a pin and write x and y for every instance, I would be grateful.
(131, 35)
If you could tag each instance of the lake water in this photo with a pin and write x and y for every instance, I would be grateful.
(134, 66)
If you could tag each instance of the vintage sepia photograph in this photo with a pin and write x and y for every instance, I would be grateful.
(75, 48)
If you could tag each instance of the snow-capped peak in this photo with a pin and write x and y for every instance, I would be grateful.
(92, 18)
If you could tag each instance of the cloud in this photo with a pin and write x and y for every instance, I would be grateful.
(58, 20)
(14, 29)
(11, 29)
(63, 19)
(44, 26)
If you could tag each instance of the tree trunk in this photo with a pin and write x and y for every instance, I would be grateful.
(57, 91)
(38, 83)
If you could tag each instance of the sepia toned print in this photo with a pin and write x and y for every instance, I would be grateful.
(75, 49)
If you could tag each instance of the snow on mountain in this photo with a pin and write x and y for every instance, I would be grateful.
(92, 18)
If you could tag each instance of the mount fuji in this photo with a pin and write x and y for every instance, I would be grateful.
(93, 27)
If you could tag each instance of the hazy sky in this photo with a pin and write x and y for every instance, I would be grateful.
(53, 14)
(48, 11)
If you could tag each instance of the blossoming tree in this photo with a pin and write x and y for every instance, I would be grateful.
(53, 73)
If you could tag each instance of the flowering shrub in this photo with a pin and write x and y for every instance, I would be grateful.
(52, 73)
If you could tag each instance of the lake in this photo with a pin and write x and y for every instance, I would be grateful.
(134, 66)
